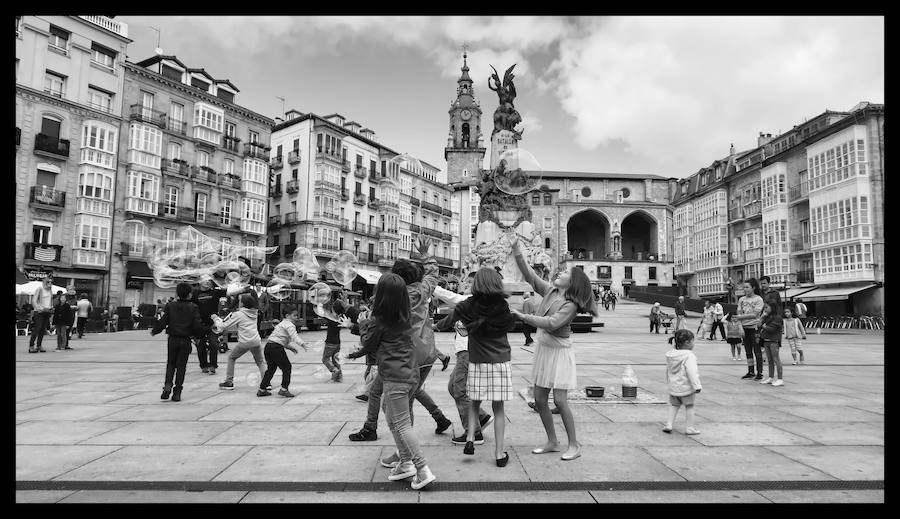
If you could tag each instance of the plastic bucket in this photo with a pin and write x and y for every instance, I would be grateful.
(629, 391)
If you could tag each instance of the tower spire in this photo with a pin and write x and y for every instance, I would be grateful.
(465, 67)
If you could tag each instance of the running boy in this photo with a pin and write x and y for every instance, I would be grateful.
(244, 320)
(793, 330)
(683, 379)
(283, 337)
(181, 320)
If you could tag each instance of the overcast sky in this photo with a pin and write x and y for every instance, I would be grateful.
(663, 95)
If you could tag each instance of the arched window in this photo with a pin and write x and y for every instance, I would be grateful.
(465, 135)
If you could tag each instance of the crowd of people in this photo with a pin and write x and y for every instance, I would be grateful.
(62, 313)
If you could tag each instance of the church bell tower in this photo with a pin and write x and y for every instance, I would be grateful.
(465, 150)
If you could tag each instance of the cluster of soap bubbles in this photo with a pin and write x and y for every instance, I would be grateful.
(193, 257)
(522, 172)
(305, 266)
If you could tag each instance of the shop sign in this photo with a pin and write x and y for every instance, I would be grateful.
(37, 274)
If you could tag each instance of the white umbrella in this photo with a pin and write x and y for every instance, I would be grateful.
(31, 287)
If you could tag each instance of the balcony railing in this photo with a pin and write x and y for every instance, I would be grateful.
(359, 199)
(447, 262)
(147, 115)
(447, 236)
(431, 207)
(799, 244)
(294, 157)
(231, 143)
(432, 232)
(798, 192)
(446, 212)
(333, 157)
(203, 174)
(375, 231)
(190, 214)
(120, 28)
(275, 190)
(414, 201)
(257, 151)
(414, 228)
(360, 171)
(274, 222)
(324, 184)
(290, 218)
(174, 125)
(753, 254)
(324, 246)
(277, 162)
(42, 252)
(359, 227)
(805, 276)
(52, 145)
(374, 178)
(230, 181)
(374, 203)
(753, 209)
(292, 186)
(345, 194)
(47, 197)
(345, 224)
(345, 165)
(175, 167)
(596, 255)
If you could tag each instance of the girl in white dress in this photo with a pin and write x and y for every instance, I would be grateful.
(554, 359)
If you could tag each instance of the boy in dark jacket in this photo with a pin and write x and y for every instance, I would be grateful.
(770, 335)
(63, 318)
(181, 320)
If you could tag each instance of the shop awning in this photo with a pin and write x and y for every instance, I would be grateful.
(795, 291)
(139, 270)
(834, 293)
(371, 276)
(21, 278)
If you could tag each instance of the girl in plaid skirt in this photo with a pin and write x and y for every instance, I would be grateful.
(487, 318)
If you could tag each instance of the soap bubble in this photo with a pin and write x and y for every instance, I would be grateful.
(284, 273)
(306, 263)
(319, 294)
(229, 273)
(521, 172)
(327, 312)
(343, 267)
(278, 289)
(321, 373)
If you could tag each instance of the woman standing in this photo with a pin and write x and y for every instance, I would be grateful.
(707, 321)
(749, 311)
(487, 318)
(554, 360)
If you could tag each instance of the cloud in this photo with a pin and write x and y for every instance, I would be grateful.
(531, 122)
(684, 88)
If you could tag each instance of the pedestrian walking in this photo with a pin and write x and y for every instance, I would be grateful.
(42, 302)
(389, 334)
(283, 337)
(487, 318)
(554, 359)
(84, 310)
(749, 311)
(718, 315)
(793, 330)
(771, 327)
(612, 300)
(680, 314)
(244, 321)
(801, 311)
(655, 317)
(683, 379)
(181, 321)
(706, 322)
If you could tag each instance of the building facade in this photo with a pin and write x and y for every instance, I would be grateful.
(69, 86)
(804, 207)
(190, 156)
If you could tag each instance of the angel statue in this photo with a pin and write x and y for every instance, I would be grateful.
(505, 116)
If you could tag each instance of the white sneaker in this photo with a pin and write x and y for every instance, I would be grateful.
(766, 380)
(423, 478)
(794, 363)
(391, 461)
(402, 471)
(778, 382)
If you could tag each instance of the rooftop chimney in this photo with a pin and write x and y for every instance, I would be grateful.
(763, 139)
(279, 120)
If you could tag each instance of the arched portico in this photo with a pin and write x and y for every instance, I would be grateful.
(587, 234)
(639, 236)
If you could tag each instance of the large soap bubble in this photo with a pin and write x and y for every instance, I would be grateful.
(319, 294)
(306, 263)
(343, 267)
(278, 289)
(520, 173)
(230, 273)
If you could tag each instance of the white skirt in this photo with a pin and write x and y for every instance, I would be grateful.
(554, 366)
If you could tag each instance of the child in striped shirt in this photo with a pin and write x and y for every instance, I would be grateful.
(793, 330)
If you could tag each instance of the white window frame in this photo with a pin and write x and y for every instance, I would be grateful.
(58, 42)
(201, 200)
(226, 211)
(174, 151)
(101, 58)
(176, 112)
(97, 235)
(228, 167)
(54, 79)
(99, 99)
(170, 203)
(203, 158)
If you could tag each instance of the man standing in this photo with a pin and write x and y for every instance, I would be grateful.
(718, 314)
(529, 307)
(612, 299)
(84, 310)
(770, 295)
(42, 301)
(680, 315)
(206, 297)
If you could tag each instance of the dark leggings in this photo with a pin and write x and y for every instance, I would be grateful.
(276, 358)
(753, 349)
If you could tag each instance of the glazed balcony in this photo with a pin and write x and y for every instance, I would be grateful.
(292, 186)
(754, 254)
(294, 157)
(46, 197)
(147, 115)
(43, 252)
(51, 145)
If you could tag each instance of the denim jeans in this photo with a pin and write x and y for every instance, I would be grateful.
(375, 391)
(330, 357)
(41, 322)
(773, 354)
(62, 336)
(238, 351)
(457, 388)
(396, 399)
(179, 349)
(424, 398)
(375, 396)
(369, 378)
(208, 348)
(80, 326)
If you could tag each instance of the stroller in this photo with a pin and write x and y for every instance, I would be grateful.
(665, 320)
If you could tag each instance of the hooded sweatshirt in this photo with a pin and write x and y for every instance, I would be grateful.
(244, 320)
(681, 372)
(420, 294)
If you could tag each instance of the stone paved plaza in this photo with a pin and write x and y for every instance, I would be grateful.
(90, 427)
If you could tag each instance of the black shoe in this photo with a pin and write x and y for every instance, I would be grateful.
(442, 424)
(68, 348)
(486, 420)
(758, 377)
(176, 395)
(469, 448)
(32, 350)
(504, 460)
(555, 410)
(263, 392)
(364, 435)
(226, 385)
(166, 392)
(362, 398)
(748, 375)
(446, 362)
(461, 439)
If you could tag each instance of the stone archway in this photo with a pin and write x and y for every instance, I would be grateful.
(639, 236)
(587, 234)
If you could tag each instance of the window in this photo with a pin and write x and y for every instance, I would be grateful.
(92, 232)
(535, 199)
(200, 206)
(102, 56)
(99, 99)
(54, 84)
(203, 158)
(208, 122)
(199, 83)
(94, 191)
(98, 144)
(548, 222)
(546, 243)
(134, 236)
(174, 151)
(254, 211)
(254, 137)
(548, 199)
(230, 129)
(225, 213)
(629, 272)
(170, 205)
(295, 171)
(59, 39)
(652, 272)
(143, 192)
(586, 192)
(228, 167)
(172, 73)
(176, 114)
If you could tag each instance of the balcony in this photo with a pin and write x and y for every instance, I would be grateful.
(800, 245)
(414, 228)
(120, 28)
(432, 232)
(753, 209)
(359, 199)
(257, 151)
(190, 214)
(359, 227)
(753, 255)
(147, 115)
(805, 276)
(345, 165)
(374, 203)
(231, 143)
(413, 201)
(230, 182)
(288, 250)
(345, 224)
(46, 197)
(384, 261)
(175, 167)
(333, 157)
(360, 172)
(43, 252)
(275, 222)
(374, 178)
(798, 192)
(446, 212)
(294, 157)
(345, 194)
(447, 236)
(374, 231)
(175, 126)
(290, 218)
(51, 145)
(292, 186)
(277, 162)
(322, 215)
(431, 207)
(203, 174)
(326, 185)
(597, 255)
